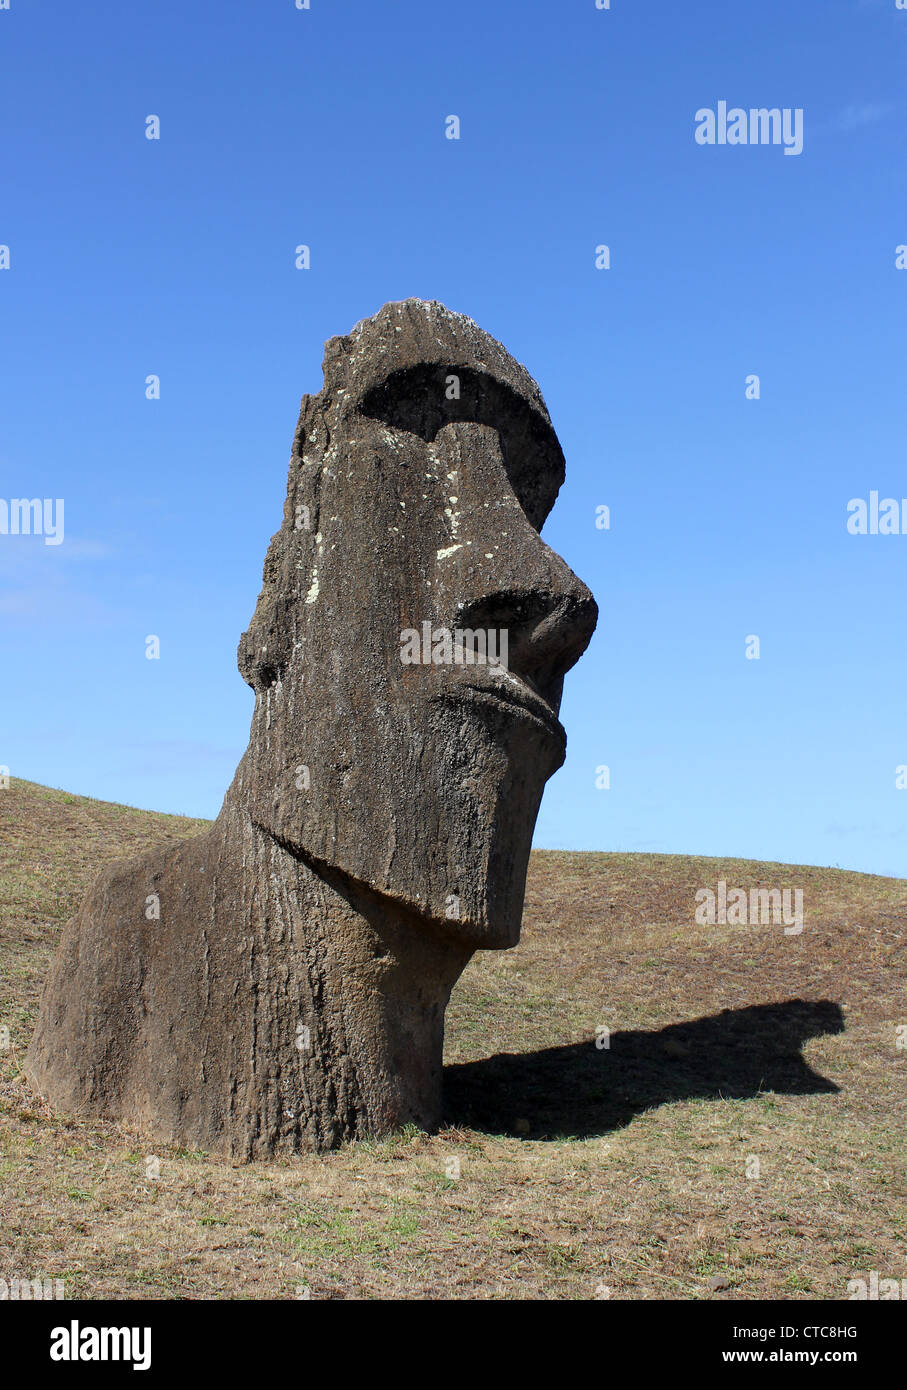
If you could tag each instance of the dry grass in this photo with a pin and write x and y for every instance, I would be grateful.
(579, 1169)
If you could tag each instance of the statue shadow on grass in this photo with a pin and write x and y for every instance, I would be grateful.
(581, 1091)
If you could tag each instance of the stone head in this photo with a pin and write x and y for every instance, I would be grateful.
(410, 642)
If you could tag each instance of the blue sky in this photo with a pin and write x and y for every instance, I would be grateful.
(327, 127)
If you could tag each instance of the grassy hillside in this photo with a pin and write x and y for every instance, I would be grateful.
(745, 1128)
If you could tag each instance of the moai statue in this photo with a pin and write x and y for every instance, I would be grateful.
(280, 982)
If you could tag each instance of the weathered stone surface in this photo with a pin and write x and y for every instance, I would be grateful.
(291, 992)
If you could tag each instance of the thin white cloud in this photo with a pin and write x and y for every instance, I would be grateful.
(45, 584)
(857, 115)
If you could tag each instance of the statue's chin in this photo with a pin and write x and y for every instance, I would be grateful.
(473, 924)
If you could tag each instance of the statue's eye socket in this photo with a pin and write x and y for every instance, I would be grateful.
(422, 400)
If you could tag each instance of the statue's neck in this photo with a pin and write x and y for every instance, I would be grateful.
(358, 981)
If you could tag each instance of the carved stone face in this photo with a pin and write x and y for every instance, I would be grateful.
(420, 477)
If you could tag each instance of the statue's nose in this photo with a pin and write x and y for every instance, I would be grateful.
(548, 628)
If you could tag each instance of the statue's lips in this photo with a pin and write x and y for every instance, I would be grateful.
(514, 694)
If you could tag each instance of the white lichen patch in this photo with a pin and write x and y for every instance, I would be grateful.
(454, 522)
